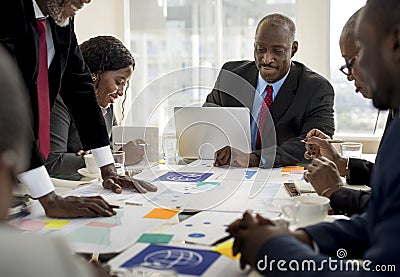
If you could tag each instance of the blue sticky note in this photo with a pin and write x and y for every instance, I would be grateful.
(184, 177)
(250, 173)
(182, 260)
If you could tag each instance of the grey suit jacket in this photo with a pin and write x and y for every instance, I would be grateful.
(305, 101)
(65, 140)
(38, 256)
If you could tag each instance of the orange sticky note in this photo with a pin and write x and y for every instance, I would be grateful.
(291, 168)
(161, 213)
(226, 250)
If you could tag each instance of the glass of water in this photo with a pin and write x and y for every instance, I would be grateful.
(119, 161)
(351, 149)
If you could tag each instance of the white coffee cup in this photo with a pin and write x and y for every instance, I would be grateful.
(312, 209)
(91, 165)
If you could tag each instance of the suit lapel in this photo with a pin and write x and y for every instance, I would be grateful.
(286, 94)
(61, 40)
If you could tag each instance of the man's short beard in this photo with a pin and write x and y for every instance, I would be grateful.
(56, 11)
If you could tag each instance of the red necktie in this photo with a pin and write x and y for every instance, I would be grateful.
(263, 114)
(43, 91)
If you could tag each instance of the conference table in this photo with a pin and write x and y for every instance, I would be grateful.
(175, 227)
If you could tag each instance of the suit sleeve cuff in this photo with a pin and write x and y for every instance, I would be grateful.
(103, 156)
(263, 161)
(38, 181)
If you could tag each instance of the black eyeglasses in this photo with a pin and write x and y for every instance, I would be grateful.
(346, 69)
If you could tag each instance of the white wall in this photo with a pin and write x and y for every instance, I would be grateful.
(100, 17)
(312, 22)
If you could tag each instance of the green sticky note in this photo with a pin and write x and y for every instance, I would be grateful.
(155, 238)
(207, 183)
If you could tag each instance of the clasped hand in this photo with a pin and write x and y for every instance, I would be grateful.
(251, 233)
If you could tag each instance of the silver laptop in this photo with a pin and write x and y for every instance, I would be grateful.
(201, 131)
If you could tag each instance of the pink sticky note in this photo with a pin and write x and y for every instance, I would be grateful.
(30, 225)
(101, 224)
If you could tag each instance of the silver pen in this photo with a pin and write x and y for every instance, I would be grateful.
(140, 144)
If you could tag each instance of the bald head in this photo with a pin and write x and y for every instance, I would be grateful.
(279, 20)
(349, 28)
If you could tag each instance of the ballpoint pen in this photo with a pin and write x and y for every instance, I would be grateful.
(328, 140)
(140, 144)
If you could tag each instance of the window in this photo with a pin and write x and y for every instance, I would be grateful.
(353, 113)
(170, 36)
(167, 36)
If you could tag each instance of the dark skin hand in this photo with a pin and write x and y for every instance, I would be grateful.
(317, 146)
(323, 174)
(72, 207)
(115, 182)
(134, 152)
(234, 157)
(251, 233)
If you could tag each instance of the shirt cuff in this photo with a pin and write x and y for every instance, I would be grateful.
(263, 161)
(103, 156)
(38, 181)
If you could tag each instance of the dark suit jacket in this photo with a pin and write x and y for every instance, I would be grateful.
(68, 74)
(372, 236)
(349, 201)
(65, 141)
(305, 101)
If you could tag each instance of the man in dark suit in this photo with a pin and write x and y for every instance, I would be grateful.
(32, 30)
(357, 171)
(298, 98)
(373, 236)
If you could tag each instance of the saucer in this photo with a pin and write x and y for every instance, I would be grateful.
(85, 172)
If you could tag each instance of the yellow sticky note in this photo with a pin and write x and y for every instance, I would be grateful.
(291, 168)
(226, 250)
(55, 224)
(161, 213)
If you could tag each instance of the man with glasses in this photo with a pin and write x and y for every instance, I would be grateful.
(357, 171)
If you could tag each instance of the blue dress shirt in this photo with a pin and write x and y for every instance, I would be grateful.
(258, 100)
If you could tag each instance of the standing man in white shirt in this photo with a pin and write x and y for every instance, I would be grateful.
(40, 35)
